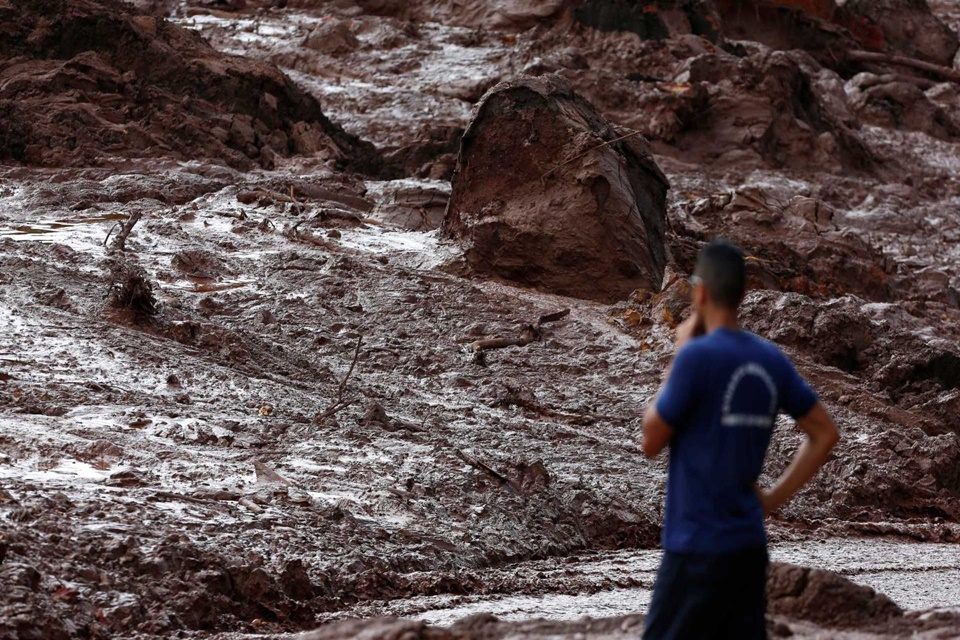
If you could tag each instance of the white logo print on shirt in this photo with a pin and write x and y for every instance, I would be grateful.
(760, 420)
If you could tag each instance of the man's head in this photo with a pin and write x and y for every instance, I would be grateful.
(720, 277)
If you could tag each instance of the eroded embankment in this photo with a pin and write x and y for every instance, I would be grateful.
(218, 455)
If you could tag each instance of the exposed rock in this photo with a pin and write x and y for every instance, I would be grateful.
(779, 108)
(825, 598)
(903, 26)
(793, 245)
(550, 195)
(332, 37)
(93, 82)
(892, 102)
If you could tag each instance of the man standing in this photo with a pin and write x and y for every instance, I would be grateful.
(717, 410)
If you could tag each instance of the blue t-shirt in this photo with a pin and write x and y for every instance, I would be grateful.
(721, 401)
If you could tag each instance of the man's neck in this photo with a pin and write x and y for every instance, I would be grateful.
(720, 319)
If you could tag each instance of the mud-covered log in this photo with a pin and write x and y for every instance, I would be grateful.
(947, 73)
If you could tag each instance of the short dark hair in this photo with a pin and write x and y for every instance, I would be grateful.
(721, 268)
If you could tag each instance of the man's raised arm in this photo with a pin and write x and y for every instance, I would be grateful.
(675, 395)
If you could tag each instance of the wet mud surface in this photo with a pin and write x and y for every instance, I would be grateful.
(262, 410)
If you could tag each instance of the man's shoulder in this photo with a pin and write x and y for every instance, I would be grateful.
(743, 345)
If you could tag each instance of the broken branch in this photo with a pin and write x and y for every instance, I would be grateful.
(903, 61)
(530, 333)
(340, 404)
(126, 227)
(583, 153)
(473, 462)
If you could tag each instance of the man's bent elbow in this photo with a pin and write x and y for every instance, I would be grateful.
(649, 450)
(656, 434)
(830, 434)
(833, 438)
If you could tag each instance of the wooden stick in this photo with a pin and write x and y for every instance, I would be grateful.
(530, 333)
(553, 317)
(340, 404)
(903, 61)
(120, 244)
(473, 462)
(109, 233)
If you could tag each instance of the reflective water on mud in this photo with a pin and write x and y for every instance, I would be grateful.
(915, 576)
(56, 229)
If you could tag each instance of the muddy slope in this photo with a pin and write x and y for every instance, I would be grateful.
(89, 82)
(265, 411)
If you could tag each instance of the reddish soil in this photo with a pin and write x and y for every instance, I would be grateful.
(111, 86)
(260, 411)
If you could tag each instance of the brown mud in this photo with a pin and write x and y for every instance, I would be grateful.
(260, 411)
(110, 85)
(576, 208)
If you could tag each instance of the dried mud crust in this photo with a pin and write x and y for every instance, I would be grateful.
(93, 82)
(401, 524)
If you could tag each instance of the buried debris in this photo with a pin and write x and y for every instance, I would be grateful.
(376, 416)
(947, 73)
(266, 475)
(340, 403)
(126, 227)
(134, 293)
(530, 333)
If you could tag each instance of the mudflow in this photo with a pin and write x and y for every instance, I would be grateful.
(338, 318)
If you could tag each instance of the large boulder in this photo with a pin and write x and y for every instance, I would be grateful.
(547, 193)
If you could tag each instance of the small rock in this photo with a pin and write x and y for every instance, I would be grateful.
(333, 38)
(376, 415)
(128, 478)
(267, 475)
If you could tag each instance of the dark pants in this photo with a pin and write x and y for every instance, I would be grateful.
(709, 597)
